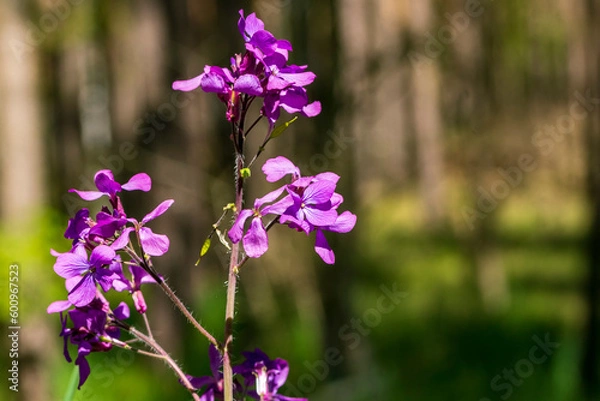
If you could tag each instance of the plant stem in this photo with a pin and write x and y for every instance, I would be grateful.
(172, 364)
(177, 302)
(238, 138)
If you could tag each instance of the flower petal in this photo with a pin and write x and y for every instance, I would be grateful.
(344, 223)
(323, 249)
(102, 255)
(106, 183)
(160, 209)
(265, 41)
(213, 83)
(270, 197)
(188, 84)
(249, 84)
(122, 311)
(237, 229)
(58, 306)
(249, 25)
(153, 244)
(311, 110)
(88, 195)
(320, 218)
(319, 192)
(256, 241)
(123, 239)
(139, 182)
(84, 292)
(278, 167)
(71, 265)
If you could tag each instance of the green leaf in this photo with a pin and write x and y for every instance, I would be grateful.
(72, 386)
(245, 172)
(205, 248)
(282, 127)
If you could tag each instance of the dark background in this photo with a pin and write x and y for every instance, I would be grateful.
(467, 137)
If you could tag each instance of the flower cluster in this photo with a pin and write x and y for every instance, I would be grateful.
(112, 251)
(258, 377)
(306, 204)
(262, 71)
(100, 249)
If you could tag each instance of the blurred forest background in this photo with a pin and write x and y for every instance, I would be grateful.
(467, 135)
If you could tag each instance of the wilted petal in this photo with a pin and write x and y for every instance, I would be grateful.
(237, 229)
(256, 241)
(249, 84)
(188, 84)
(323, 249)
(160, 209)
(153, 244)
(140, 182)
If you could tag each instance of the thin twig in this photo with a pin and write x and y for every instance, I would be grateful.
(167, 358)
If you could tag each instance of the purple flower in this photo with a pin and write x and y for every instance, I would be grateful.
(267, 376)
(84, 274)
(310, 204)
(344, 223)
(78, 225)
(255, 240)
(261, 72)
(260, 42)
(152, 244)
(92, 327)
(292, 100)
(213, 385)
(139, 276)
(277, 168)
(106, 184)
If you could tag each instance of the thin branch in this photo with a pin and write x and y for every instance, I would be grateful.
(167, 358)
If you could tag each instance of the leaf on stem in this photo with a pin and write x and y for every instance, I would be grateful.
(204, 249)
(282, 127)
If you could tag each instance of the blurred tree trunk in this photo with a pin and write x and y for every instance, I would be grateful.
(591, 354)
(22, 183)
(426, 117)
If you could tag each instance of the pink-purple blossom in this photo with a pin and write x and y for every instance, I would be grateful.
(262, 71)
(306, 204)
